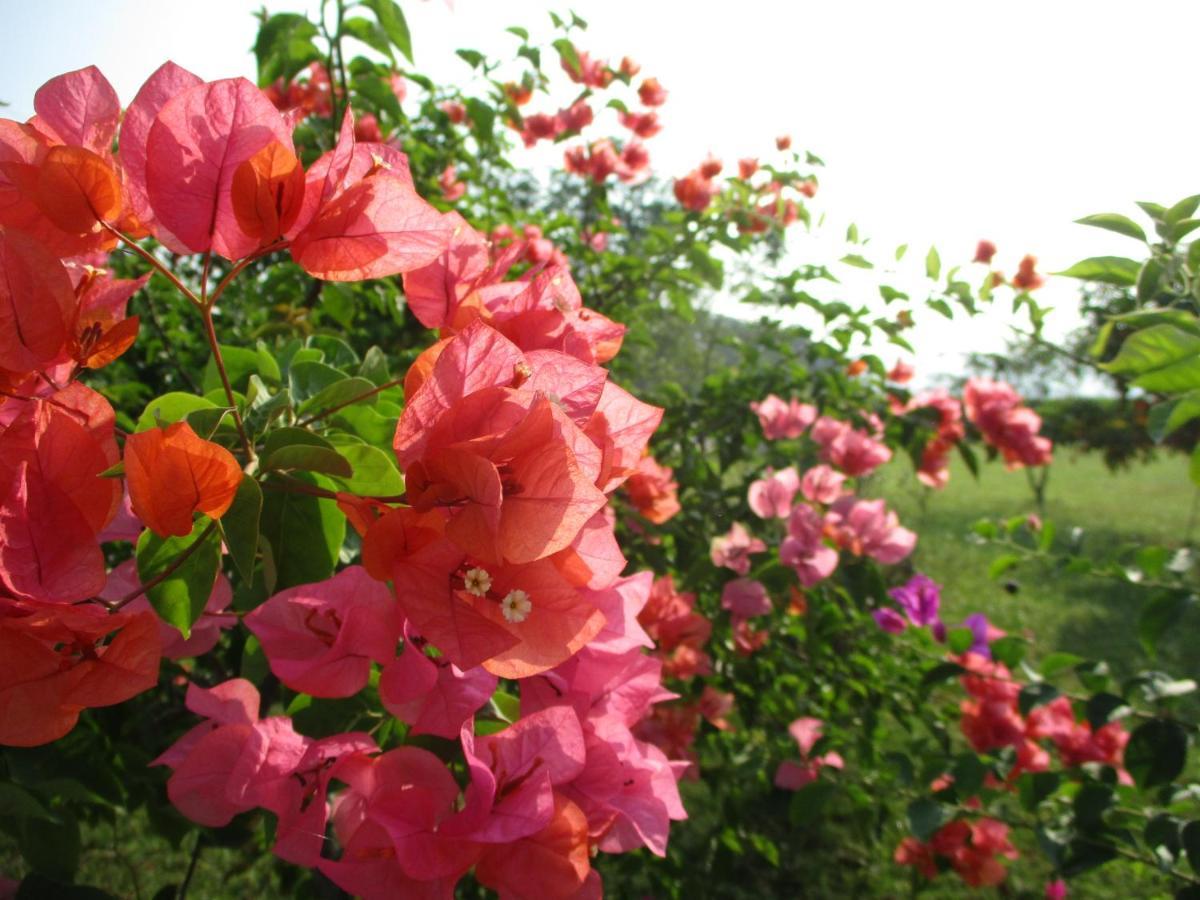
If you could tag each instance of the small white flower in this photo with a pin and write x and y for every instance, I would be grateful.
(516, 606)
(477, 582)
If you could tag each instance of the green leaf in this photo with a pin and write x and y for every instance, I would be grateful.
(19, 803)
(1191, 844)
(1034, 787)
(1105, 269)
(179, 599)
(1039, 693)
(1114, 222)
(1053, 663)
(239, 526)
(170, 408)
(374, 471)
(942, 672)
(1194, 467)
(1009, 650)
(391, 20)
(859, 262)
(959, 640)
(305, 534)
(370, 34)
(1147, 281)
(926, 816)
(1184, 209)
(1090, 805)
(473, 58)
(566, 50)
(508, 706)
(347, 392)
(1161, 613)
(1102, 708)
(519, 32)
(483, 117)
(284, 46)
(307, 458)
(240, 364)
(1002, 564)
(900, 251)
(1156, 753)
(933, 263)
(1161, 358)
(307, 378)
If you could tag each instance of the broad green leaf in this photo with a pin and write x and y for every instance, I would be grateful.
(289, 436)
(305, 534)
(307, 458)
(1053, 663)
(284, 46)
(1105, 269)
(933, 263)
(347, 392)
(1114, 222)
(369, 33)
(374, 471)
(239, 526)
(1160, 614)
(1184, 209)
(1160, 358)
(1102, 708)
(484, 118)
(1156, 752)
(179, 599)
(170, 408)
(307, 378)
(240, 364)
(1039, 693)
(566, 50)
(926, 816)
(473, 58)
(859, 262)
(391, 20)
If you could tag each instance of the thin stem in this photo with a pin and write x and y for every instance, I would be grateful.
(191, 870)
(158, 266)
(218, 360)
(317, 416)
(168, 571)
(295, 486)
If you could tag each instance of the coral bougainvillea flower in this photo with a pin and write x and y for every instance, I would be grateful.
(733, 550)
(984, 251)
(320, 639)
(173, 473)
(771, 497)
(53, 505)
(652, 491)
(60, 660)
(783, 418)
(1027, 278)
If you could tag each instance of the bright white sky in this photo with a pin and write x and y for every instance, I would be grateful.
(941, 121)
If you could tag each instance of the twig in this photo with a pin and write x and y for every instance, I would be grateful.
(317, 416)
(211, 333)
(191, 870)
(167, 572)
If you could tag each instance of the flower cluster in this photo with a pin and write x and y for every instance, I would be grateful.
(973, 849)
(992, 719)
(995, 408)
(499, 561)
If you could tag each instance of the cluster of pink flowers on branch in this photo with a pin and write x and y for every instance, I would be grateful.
(995, 408)
(499, 562)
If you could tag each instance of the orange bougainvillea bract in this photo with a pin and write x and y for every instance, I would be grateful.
(172, 473)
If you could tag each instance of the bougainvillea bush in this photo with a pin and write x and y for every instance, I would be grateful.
(370, 506)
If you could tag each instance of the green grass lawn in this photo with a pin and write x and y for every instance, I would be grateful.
(1093, 617)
